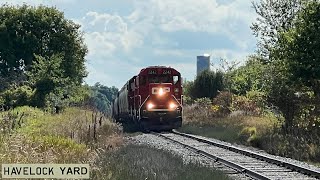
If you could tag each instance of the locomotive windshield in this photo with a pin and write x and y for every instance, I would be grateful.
(160, 79)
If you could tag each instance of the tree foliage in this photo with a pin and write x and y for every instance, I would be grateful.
(41, 49)
(27, 31)
(102, 97)
(246, 78)
(207, 84)
(289, 36)
(274, 16)
(299, 48)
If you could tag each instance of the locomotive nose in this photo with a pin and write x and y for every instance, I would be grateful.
(160, 90)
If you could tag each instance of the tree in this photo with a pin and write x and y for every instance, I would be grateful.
(207, 84)
(27, 31)
(246, 78)
(299, 47)
(102, 96)
(273, 16)
(44, 51)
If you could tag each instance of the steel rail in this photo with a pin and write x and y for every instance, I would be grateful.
(294, 167)
(237, 167)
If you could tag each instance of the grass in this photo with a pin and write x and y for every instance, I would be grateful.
(29, 135)
(141, 162)
(235, 128)
(263, 131)
(217, 132)
(41, 137)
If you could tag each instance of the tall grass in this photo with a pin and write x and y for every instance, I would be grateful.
(141, 162)
(234, 127)
(68, 137)
(264, 131)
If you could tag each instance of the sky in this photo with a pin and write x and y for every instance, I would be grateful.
(124, 36)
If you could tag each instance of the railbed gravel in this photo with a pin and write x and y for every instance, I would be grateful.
(187, 155)
(262, 152)
(261, 167)
(190, 156)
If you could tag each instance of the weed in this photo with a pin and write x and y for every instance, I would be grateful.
(142, 162)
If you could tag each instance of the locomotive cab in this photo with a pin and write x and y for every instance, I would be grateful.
(153, 98)
(163, 105)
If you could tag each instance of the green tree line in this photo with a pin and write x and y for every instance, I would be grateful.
(285, 71)
(42, 61)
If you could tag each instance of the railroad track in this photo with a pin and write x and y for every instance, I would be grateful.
(252, 164)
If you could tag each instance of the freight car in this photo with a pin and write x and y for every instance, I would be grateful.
(152, 99)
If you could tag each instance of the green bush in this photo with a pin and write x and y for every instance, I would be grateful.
(247, 134)
(203, 102)
(16, 96)
(242, 103)
(187, 100)
(222, 104)
(257, 97)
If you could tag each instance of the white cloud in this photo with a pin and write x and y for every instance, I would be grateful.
(229, 54)
(169, 52)
(100, 43)
(187, 70)
(106, 33)
(110, 23)
(119, 45)
(197, 16)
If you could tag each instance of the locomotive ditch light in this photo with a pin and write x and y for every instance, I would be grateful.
(173, 106)
(150, 106)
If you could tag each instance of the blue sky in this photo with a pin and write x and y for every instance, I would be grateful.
(125, 36)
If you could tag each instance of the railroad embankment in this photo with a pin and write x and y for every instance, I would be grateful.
(142, 161)
(263, 130)
(30, 135)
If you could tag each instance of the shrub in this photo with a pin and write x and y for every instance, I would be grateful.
(187, 100)
(242, 103)
(203, 102)
(257, 97)
(222, 103)
(247, 133)
(16, 96)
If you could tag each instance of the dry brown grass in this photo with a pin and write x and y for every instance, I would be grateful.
(205, 116)
(61, 138)
(264, 131)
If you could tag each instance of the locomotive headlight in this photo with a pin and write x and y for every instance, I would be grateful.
(161, 92)
(176, 90)
(172, 106)
(150, 106)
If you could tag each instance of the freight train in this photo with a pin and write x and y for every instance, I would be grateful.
(152, 99)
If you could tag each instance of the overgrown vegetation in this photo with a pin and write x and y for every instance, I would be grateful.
(141, 162)
(42, 58)
(102, 97)
(271, 101)
(30, 135)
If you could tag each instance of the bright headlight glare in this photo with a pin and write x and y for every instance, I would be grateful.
(150, 106)
(172, 105)
(161, 92)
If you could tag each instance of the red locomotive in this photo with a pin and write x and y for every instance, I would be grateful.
(153, 99)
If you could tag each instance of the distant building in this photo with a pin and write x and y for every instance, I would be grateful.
(203, 63)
